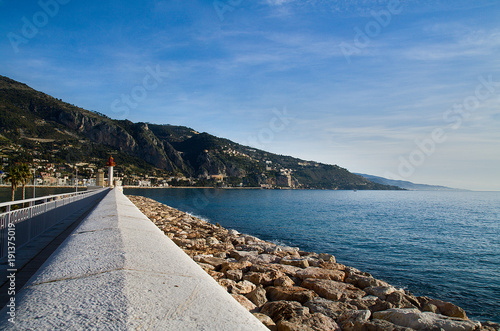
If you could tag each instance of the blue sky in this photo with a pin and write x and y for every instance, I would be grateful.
(402, 89)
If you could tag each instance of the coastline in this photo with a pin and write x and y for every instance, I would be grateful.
(198, 187)
(139, 187)
(44, 186)
(287, 288)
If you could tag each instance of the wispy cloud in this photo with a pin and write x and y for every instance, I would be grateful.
(464, 44)
(278, 2)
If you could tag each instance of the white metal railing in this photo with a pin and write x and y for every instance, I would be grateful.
(37, 206)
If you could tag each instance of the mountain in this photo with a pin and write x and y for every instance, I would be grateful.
(36, 127)
(407, 185)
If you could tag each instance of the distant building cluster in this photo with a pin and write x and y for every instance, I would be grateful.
(283, 177)
(96, 174)
(46, 173)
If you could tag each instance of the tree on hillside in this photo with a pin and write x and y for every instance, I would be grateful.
(14, 177)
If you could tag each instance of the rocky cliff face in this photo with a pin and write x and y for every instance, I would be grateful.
(140, 142)
(98, 130)
(208, 164)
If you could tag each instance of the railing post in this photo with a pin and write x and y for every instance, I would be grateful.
(9, 214)
(29, 229)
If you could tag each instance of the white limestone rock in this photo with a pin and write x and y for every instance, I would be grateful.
(415, 319)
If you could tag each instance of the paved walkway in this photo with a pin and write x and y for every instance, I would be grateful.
(118, 271)
(31, 256)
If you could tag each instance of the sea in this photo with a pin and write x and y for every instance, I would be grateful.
(444, 245)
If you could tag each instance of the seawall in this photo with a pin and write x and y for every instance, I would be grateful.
(117, 270)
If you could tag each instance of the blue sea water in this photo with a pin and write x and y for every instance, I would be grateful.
(444, 245)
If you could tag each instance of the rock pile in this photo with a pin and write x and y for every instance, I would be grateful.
(289, 289)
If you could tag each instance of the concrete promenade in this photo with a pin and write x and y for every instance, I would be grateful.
(118, 271)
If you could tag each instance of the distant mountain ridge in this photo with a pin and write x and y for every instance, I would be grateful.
(35, 124)
(408, 185)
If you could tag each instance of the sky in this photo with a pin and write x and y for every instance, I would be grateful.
(400, 89)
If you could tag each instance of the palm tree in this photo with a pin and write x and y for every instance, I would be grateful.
(14, 176)
(25, 173)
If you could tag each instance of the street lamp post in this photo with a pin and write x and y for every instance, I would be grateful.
(76, 181)
(34, 183)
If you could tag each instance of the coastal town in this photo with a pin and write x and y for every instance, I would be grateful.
(89, 174)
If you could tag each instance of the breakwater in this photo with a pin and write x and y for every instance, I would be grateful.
(287, 288)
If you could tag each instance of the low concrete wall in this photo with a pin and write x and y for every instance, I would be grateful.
(118, 271)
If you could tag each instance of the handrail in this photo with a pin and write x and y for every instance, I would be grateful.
(49, 202)
(17, 202)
